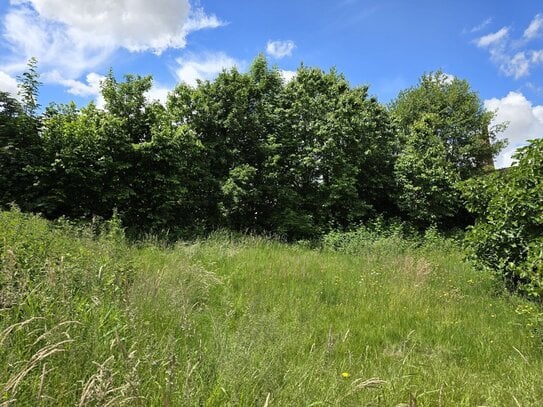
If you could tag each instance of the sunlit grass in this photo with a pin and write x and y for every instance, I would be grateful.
(249, 321)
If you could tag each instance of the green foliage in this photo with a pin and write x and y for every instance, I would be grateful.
(87, 157)
(247, 151)
(446, 137)
(241, 195)
(163, 178)
(336, 153)
(127, 100)
(20, 151)
(385, 238)
(29, 84)
(460, 121)
(507, 236)
(20, 144)
(234, 119)
(294, 159)
(427, 180)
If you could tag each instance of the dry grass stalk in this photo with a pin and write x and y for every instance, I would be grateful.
(521, 355)
(374, 382)
(190, 371)
(95, 383)
(16, 326)
(98, 388)
(43, 353)
(42, 381)
(330, 340)
(51, 330)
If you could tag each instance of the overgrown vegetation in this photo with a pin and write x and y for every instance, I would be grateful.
(370, 304)
(508, 234)
(87, 319)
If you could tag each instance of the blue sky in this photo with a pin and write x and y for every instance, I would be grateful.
(496, 45)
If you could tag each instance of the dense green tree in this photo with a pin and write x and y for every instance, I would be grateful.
(12, 151)
(427, 180)
(248, 151)
(88, 160)
(336, 154)
(457, 142)
(165, 178)
(131, 157)
(461, 121)
(234, 119)
(128, 100)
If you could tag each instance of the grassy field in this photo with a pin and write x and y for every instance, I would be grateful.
(94, 321)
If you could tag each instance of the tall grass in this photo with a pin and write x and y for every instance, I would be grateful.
(87, 319)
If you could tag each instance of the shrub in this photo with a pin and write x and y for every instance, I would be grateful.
(508, 234)
(383, 238)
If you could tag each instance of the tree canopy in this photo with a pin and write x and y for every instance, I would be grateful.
(446, 136)
(247, 151)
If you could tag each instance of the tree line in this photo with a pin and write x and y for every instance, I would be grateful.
(248, 151)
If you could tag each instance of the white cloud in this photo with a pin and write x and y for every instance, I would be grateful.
(204, 66)
(280, 49)
(492, 39)
(287, 75)
(448, 78)
(71, 38)
(535, 27)
(133, 24)
(29, 35)
(91, 87)
(525, 122)
(159, 93)
(537, 57)
(8, 84)
(75, 87)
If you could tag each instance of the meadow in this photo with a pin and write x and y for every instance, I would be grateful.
(90, 319)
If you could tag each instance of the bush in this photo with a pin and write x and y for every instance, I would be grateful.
(379, 238)
(508, 234)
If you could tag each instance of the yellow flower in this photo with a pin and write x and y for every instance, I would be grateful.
(345, 375)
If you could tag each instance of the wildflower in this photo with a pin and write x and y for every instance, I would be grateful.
(345, 375)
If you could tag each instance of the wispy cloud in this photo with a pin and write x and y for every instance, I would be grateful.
(199, 20)
(493, 38)
(535, 28)
(280, 49)
(90, 87)
(512, 56)
(203, 66)
(479, 27)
